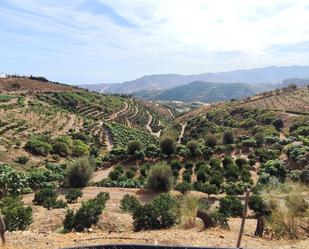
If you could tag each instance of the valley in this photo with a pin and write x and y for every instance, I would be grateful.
(128, 162)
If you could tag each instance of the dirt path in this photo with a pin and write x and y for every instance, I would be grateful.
(100, 174)
(148, 127)
(114, 115)
(183, 127)
(109, 139)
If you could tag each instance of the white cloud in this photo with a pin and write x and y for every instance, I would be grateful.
(168, 35)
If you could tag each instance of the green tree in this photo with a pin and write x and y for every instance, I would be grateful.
(79, 172)
(228, 137)
(160, 177)
(133, 147)
(168, 146)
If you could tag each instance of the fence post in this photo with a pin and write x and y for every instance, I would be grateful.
(241, 231)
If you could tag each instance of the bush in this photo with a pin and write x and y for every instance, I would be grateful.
(274, 168)
(80, 149)
(211, 141)
(193, 147)
(228, 137)
(304, 176)
(12, 182)
(129, 203)
(258, 205)
(47, 197)
(73, 195)
(163, 212)
(278, 124)
(160, 177)
(183, 187)
(44, 197)
(259, 138)
(79, 173)
(216, 178)
(87, 215)
(22, 160)
(144, 169)
(176, 165)
(16, 216)
(37, 146)
(130, 174)
(186, 175)
(201, 174)
(168, 146)
(210, 189)
(219, 219)
(133, 147)
(230, 206)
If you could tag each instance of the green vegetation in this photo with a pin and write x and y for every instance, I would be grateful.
(87, 215)
(163, 212)
(79, 172)
(16, 215)
(73, 195)
(159, 177)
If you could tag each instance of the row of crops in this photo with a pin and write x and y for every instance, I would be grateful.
(138, 116)
(293, 101)
(91, 105)
(122, 134)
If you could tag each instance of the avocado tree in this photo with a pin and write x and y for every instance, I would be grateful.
(261, 210)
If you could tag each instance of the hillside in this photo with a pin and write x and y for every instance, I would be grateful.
(286, 100)
(210, 92)
(269, 75)
(87, 168)
(22, 84)
(33, 110)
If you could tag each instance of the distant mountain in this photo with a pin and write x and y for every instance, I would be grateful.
(158, 82)
(210, 92)
(101, 87)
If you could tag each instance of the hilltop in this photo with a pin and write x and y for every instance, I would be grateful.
(24, 84)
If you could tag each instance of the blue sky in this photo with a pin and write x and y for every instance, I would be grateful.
(102, 41)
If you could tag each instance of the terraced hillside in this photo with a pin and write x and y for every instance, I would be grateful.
(291, 100)
(113, 166)
(32, 108)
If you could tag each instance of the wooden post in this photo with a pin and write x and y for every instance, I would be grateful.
(241, 231)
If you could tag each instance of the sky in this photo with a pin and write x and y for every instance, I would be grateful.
(104, 41)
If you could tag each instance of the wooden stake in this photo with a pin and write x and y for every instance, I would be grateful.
(241, 231)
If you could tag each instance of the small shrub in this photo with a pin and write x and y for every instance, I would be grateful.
(130, 174)
(228, 137)
(211, 141)
(37, 146)
(133, 147)
(230, 206)
(73, 195)
(79, 173)
(160, 177)
(176, 165)
(16, 216)
(129, 203)
(45, 197)
(87, 215)
(163, 212)
(168, 146)
(183, 187)
(22, 160)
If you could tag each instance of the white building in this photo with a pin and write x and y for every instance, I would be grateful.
(2, 75)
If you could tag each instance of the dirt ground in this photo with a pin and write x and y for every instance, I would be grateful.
(116, 227)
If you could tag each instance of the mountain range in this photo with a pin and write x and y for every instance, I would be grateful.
(214, 85)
